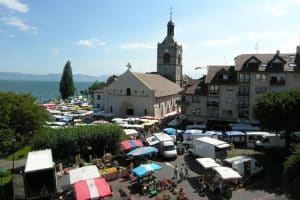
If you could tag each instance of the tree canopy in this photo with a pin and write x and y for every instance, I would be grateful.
(66, 86)
(279, 111)
(95, 86)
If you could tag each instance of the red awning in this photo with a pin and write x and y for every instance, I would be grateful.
(92, 189)
(131, 144)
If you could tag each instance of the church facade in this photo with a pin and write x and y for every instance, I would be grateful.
(148, 94)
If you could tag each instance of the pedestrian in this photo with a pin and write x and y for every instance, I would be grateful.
(175, 172)
(186, 171)
(181, 175)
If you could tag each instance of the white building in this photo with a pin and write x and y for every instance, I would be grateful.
(140, 94)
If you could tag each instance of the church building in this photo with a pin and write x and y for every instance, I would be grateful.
(148, 94)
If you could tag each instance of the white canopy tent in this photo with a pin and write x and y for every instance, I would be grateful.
(227, 173)
(83, 173)
(207, 163)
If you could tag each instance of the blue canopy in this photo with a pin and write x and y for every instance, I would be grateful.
(170, 131)
(234, 133)
(145, 169)
(141, 151)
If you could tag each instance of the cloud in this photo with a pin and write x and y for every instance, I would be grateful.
(18, 23)
(137, 45)
(55, 50)
(247, 36)
(276, 9)
(15, 5)
(92, 42)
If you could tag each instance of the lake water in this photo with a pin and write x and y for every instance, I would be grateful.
(41, 90)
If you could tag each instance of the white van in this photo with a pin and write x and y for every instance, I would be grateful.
(253, 136)
(270, 141)
(164, 143)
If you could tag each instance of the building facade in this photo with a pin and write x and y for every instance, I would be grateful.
(231, 91)
(141, 94)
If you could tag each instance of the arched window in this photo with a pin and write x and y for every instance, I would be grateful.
(128, 92)
(167, 58)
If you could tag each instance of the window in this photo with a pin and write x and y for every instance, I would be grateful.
(229, 100)
(260, 90)
(213, 89)
(244, 78)
(262, 77)
(244, 114)
(179, 60)
(128, 92)
(243, 103)
(98, 96)
(98, 105)
(194, 99)
(243, 91)
(121, 91)
(143, 91)
(252, 64)
(111, 109)
(145, 111)
(166, 58)
(225, 76)
(183, 98)
(135, 91)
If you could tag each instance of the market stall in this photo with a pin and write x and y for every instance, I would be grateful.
(83, 173)
(145, 169)
(131, 144)
(96, 188)
(142, 151)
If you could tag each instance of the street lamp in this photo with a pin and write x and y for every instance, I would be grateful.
(13, 155)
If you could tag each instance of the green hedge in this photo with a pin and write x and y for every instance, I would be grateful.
(66, 142)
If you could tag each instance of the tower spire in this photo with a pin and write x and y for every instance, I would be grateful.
(171, 13)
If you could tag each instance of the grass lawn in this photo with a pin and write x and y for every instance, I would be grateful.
(20, 154)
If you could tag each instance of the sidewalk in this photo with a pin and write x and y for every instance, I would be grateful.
(8, 164)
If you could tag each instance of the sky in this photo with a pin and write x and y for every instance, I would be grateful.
(100, 37)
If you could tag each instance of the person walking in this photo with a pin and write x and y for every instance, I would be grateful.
(175, 172)
(186, 171)
(181, 175)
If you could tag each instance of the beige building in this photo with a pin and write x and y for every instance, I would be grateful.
(140, 94)
(230, 92)
(99, 99)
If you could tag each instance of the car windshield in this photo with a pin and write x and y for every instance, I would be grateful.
(169, 148)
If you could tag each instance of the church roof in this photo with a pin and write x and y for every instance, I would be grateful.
(168, 40)
(161, 85)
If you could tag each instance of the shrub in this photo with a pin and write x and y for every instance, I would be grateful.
(292, 174)
(66, 142)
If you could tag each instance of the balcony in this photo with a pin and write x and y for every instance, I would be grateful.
(213, 92)
(277, 81)
(243, 106)
(243, 94)
(213, 104)
(182, 102)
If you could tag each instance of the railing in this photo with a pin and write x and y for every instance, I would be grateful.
(213, 104)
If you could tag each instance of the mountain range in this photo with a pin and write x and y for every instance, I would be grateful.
(49, 77)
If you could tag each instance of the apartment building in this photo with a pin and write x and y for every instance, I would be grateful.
(231, 91)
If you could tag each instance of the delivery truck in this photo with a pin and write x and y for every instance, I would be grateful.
(207, 147)
(164, 143)
(244, 165)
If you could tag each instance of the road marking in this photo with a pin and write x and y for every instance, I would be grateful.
(169, 164)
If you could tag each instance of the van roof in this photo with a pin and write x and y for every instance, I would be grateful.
(215, 142)
(237, 159)
(163, 137)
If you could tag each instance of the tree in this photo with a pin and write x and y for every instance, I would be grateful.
(96, 86)
(20, 117)
(66, 86)
(111, 79)
(279, 112)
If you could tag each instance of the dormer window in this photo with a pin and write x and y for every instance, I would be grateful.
(253, 63)
(277, 63)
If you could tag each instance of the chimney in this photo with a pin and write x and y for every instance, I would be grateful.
(298, 50)
(277, 52)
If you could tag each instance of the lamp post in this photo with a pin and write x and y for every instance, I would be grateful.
(13, 155)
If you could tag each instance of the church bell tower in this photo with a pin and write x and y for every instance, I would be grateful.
(169, 56)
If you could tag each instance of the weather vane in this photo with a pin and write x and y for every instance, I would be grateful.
(171, 13)
(128, 66)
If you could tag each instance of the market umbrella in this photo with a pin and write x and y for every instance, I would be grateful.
(170, 131)
(131, 144)
(145, 169)
(92, 189)
(141, 151)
